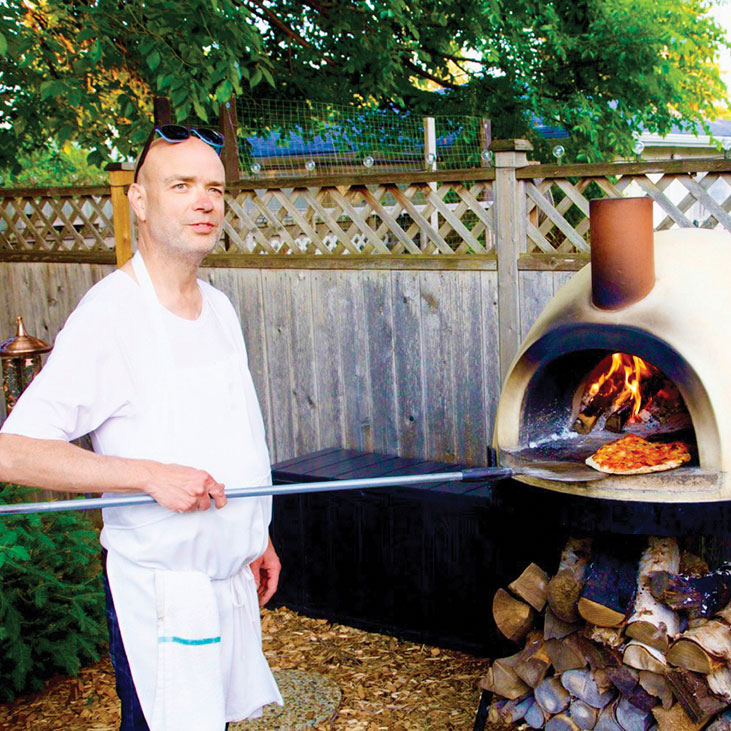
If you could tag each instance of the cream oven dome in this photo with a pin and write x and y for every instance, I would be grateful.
(676, 320)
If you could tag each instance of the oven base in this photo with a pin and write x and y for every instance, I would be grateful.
(597, 509)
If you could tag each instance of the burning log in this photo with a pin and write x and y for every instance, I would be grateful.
(699, 596)
(617, 420)
(651, 621)
(609, 589)
(513, 617)
(650, 386)
(620, 385)
(564, 589)
(595, 405)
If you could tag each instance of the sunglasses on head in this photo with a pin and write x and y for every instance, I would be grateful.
(173, 133)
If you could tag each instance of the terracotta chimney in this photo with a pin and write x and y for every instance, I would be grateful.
(622, 252)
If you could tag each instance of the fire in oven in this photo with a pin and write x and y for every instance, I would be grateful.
(628, 368)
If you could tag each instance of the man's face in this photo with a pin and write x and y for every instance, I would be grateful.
(180, 206)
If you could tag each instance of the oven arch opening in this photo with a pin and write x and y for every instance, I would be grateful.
(540, 395)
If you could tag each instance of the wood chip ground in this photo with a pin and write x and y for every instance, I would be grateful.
(386, 683)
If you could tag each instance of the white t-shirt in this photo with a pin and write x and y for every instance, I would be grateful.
(104, 367)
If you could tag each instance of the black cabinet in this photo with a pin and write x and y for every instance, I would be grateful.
(420, 562)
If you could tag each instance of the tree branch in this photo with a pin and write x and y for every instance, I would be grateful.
(286, 29)
(430, 77)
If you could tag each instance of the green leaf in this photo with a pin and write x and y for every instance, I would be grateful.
(256, 77)
(153, 60)
(199, 110)
(3, 45)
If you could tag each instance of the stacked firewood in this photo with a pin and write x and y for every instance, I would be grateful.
(621, 638)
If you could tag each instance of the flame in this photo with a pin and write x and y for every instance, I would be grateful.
(622, 381)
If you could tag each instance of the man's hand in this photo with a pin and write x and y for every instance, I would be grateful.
(56, 465)
(266, 571)
(183, 489)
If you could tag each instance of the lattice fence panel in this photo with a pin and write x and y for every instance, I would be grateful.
(558, 208)
(37, 221)
(383, 219)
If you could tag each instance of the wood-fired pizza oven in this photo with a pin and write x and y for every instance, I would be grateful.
(663, 301)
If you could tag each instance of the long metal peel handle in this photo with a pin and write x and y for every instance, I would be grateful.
(483, 474)
(471, 474)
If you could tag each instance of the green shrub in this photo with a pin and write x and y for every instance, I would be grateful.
(51, 596)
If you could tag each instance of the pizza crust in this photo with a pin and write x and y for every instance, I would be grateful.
(644, 456)
(670, 465)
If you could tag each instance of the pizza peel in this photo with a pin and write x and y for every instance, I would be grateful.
(547, 470)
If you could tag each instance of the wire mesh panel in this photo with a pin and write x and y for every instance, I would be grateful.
(278, 138)
(418, 218)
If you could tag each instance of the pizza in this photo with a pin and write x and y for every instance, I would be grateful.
(633, 455)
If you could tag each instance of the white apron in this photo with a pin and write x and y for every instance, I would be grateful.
(183, 591)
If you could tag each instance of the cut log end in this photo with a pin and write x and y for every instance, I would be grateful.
(599, 614)
(513, 617)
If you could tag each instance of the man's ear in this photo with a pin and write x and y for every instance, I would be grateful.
(137, 197)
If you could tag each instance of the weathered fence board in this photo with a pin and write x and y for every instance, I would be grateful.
(380, 337)
(407, 365)
(327, 333)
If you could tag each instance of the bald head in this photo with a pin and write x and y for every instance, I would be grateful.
(179, 199)
(165, 159)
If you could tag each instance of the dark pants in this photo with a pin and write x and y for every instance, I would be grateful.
(132, 716)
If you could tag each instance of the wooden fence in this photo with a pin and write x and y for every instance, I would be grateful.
(379, 314)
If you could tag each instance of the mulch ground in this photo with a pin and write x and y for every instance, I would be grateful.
(385, 683)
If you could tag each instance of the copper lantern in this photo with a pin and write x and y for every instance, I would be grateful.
(21, 362)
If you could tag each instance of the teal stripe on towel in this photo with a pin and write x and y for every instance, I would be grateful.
(184, 641)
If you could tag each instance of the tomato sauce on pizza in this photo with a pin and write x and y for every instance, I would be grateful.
(633, 455)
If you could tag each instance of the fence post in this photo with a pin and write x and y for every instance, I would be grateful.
(228, 127)
(485, 141)
(120, 177)
(430, 164)
(510, 238)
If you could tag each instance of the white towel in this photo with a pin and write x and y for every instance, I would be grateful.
(189, 691)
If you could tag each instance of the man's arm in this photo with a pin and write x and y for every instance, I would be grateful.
(57, 465)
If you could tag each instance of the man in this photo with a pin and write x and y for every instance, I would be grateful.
(153, 365)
